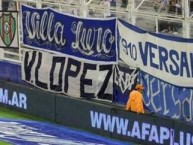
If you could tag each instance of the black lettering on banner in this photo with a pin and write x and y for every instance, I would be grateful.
(67, 75)
(133, 52)
(101, 93)
(61, 61)
(27, 68)
(37, 82)
(72, 73)
(85, 81)
(124, 43)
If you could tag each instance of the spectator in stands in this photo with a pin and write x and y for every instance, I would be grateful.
(5, 5)
(124, 3)
(8, 5)
(135, 101)
(158, 4)
(174, 7)
(113, 3)
(191, 7)
(171, 26)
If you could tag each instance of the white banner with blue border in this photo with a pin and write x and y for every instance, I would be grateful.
(168, 58)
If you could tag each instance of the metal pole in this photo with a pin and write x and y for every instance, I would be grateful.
(39, 4)
(186, 23)
(0, 4)
(84, 8)
(133, 16)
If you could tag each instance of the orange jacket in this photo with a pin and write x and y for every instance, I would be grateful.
(135, 102)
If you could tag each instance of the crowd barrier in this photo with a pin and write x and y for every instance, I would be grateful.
(100, 118)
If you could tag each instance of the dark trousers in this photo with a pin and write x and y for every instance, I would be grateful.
(5, 5)
(124, 3)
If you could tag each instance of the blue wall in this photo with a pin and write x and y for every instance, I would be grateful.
(10, 71)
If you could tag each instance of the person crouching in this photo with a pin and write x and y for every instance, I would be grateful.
(135, 101)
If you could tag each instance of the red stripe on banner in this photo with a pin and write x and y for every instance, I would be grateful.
(10, 27)
(3, 36)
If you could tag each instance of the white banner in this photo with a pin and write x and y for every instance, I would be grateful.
(66, 75)
(165, 57)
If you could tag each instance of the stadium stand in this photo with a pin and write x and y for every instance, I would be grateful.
(140, 13)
